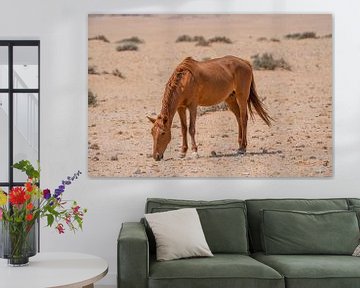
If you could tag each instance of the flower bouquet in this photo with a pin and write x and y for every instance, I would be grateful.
(21, 208)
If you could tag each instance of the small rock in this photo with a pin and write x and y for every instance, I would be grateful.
(213, 153)
(114, 158)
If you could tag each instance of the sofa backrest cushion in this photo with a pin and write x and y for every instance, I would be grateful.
(298, 232)
(223, 221)
(256, 205)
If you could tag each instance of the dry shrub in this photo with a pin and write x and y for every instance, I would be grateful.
(198, 38)
(100, 37)
(300, 36)
(218, 107)
(202, 42)
(92, 99)
(127, 47)
(133, 39)
(264, 39)
(267, 62)
(220, 39)
(117, 73)
(184, 38)
(92, 70)
(275, 40)
(261, 39)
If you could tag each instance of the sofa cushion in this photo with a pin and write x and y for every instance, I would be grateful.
(178, 234)
(353, 201)
(223, 221)
(222, 270)
(254, 216)
(356, 209)
(313, 271)
(297, 232)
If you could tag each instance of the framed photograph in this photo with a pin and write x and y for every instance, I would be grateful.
(226, 95)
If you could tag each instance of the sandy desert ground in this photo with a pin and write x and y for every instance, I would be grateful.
(299, 143)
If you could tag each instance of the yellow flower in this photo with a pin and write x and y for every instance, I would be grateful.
(3, 198)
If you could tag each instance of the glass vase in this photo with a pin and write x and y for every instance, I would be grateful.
(18, 242)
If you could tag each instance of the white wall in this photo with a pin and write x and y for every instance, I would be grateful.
(61, 26)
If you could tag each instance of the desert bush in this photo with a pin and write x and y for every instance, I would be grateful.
(100, 37)
(261, 39)
(267, 62)
(92, 70)
(184, 38)
(299, 36)
(198, 38)
(220, 39)
(133, 39)
(92, 99)
(274, 40)
(117, 73)
(327, 36)
(202, 42)
(127, 47)
(218, 107)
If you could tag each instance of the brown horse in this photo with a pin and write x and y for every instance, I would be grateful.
(206, 83)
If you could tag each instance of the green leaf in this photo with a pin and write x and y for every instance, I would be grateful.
(50, 219)
(28, 168)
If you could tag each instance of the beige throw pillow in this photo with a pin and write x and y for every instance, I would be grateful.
(178, 234)
(357, 251)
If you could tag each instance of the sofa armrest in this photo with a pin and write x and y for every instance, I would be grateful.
(133, 256)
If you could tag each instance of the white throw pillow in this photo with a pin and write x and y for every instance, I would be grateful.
(357, 251)
(178, 234)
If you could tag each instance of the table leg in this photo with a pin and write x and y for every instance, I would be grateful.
(89, 286)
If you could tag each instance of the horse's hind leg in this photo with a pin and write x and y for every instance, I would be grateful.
(234, 107)
(193, 112)
(242, 96)
(182, 114)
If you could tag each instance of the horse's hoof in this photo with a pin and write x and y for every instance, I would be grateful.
(195, 155)
(241, 151)
(182, 155)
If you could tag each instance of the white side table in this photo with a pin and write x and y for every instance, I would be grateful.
(60, 270)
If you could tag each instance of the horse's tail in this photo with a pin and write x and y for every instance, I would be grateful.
(255, 102)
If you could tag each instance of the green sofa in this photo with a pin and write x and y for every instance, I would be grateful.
(244, 238)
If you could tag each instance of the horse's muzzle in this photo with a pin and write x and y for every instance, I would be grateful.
(158, 156)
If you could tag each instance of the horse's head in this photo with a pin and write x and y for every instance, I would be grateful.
(161, 135)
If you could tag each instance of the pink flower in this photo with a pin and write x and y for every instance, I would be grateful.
(60, 228)
(1, 212)
(76, 209)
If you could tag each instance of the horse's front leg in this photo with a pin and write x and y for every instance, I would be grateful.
(194, 148)
(182, 115)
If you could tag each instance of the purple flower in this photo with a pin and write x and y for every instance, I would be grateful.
(46, 194)
(68, 181)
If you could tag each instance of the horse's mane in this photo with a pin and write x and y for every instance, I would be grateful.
(173, 83)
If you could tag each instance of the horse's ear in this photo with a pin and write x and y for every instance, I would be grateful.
(152, 120)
